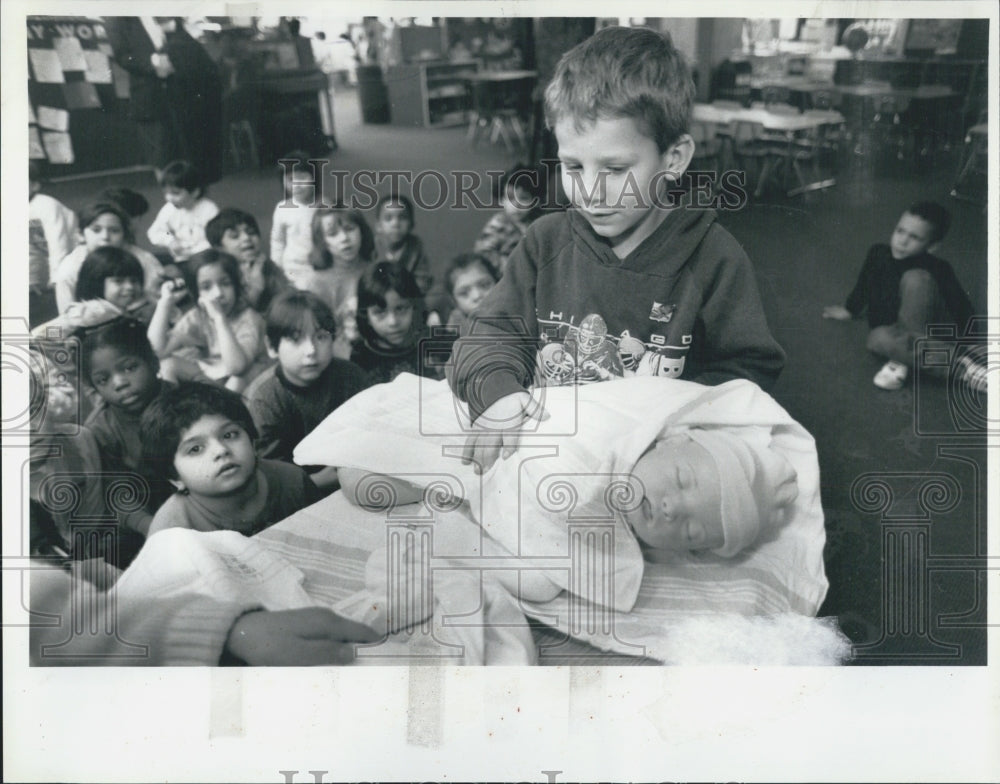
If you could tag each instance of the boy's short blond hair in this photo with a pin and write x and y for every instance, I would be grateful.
(624, 72)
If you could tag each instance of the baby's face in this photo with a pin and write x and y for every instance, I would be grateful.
(681, 497)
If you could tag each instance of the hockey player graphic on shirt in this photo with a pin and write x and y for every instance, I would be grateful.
(596, 356)
(587, 353)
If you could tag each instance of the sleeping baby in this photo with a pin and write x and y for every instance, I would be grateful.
(716, 490)
(708, 489)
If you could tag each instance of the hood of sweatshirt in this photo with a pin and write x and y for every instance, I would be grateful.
(666, 250)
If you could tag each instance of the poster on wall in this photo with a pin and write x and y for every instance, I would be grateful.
(75, 90)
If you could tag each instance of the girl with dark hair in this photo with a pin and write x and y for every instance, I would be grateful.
(391, 318)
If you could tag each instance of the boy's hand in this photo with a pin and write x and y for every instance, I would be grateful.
(500, 429)
(287, 638)
(838, 312)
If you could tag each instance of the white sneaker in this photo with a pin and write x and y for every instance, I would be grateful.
(974, 375)
(892, 375)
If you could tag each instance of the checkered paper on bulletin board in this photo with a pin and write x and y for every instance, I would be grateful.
(76, 94)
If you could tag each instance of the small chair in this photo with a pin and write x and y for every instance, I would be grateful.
(891, 130)
(707, 144)
(501, 118)
(749, 144)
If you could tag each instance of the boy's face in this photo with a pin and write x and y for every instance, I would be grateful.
(470, 288)
(214, 458)
(123, 380)
(911, 237)
(242, 242)
(681, 507)
(181, 198)
(394, 223)
(305, 356)
(613, 173)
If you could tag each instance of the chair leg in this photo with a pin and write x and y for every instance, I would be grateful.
(765, 173)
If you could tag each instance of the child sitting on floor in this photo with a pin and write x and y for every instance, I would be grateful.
(904, 287)
(343, 245)
(103, 224)
(118, 362)
(391, 323)
(236, 232)
(109, 286)
(51, 236)
(291, 398)
(470, 278)
(201, 438)
(221, 340)
(519, 202)
(180, 225)
(292, 222)
(395, 240)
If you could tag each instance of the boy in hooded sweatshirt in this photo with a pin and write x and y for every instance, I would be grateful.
(624, 282)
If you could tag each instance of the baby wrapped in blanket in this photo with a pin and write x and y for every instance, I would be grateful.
(612, 476)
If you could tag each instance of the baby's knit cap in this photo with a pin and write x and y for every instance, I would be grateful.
(756, 484)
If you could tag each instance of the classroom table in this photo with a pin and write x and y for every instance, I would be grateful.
(789, 126)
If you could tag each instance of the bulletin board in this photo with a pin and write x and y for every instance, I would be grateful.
(78, 98)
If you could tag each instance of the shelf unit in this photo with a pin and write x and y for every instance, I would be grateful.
(429, 95)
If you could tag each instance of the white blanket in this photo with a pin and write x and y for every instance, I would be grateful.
(413, 429)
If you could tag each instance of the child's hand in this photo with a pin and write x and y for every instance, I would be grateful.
(286, 638)
(838, 312)
(500, 429)
(212, 307)
(173, 290)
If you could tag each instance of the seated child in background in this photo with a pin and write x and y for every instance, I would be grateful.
(220, 340)
(109, 287)
(904, 287)
(236, 232)
(519, 200)
(292, 224)
(201, 438)
(470, 278)
(673, 282)
(118, 362)
(62, 454)
(103, 225)
(180, 225)
(346, 317)
(395, 240)
(343, 245)
(51, 236)
(391, 324)
(290, 399)
(132, 202)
